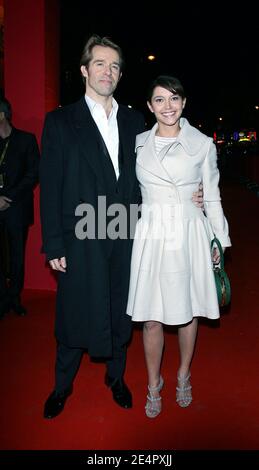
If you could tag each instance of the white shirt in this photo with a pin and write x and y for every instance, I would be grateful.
(108, 128)
(161, 142)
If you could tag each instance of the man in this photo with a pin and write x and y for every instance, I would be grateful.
(88, 153)
(19, 161)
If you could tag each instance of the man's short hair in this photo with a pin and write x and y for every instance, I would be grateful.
(5, 107)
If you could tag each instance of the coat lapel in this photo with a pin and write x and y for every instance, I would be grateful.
(149, 160)
(127, 175)
(12, 146)
(90, 143)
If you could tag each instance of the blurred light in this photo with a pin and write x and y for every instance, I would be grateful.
(129, 106)
(151, 57)
(257, 107)
(247, 136)
(220, 119)
(251, 135)
(200, 125)
(218, 137)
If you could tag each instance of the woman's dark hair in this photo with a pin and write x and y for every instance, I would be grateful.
(168, 82)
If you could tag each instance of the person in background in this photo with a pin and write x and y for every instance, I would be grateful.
(19, 162)
(172, 280)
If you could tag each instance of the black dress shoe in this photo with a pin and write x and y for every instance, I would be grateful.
(18, 308)
(55, 403)
(121, 394)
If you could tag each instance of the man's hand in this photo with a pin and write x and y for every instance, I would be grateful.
(59, 264)
(4, 203)
(197, 197)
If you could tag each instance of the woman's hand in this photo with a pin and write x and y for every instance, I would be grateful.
(215, 256)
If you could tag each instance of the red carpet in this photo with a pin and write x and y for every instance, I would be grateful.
(225, 410)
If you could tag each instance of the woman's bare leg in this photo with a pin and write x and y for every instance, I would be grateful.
(186, 338)
(153, 339)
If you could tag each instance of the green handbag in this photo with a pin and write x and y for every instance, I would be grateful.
(221, 277)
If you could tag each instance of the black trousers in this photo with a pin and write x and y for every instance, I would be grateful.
(68, 359)
(12, 248)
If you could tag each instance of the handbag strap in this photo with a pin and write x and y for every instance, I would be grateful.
(217, 242)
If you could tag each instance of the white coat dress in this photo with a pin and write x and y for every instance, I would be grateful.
(171, 278)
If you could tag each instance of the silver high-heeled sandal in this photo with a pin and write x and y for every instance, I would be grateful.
(154, 404)
(184, 391)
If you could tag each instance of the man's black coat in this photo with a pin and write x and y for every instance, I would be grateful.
(73, 171)
(20, 170)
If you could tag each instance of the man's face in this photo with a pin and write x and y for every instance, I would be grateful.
(103, 72)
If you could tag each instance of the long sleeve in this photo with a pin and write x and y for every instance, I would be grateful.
(19, 191)
(212, 199)
(51, 184)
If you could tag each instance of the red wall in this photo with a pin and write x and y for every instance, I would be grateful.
(31, 77)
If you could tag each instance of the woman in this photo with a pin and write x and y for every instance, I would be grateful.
(172, 280)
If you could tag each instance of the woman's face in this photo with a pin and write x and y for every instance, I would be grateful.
(166, 106)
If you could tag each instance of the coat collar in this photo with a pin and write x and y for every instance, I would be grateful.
(90, 142)
(147, 157)
(190, 138)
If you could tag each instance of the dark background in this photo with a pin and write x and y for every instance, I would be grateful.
(213, 51)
